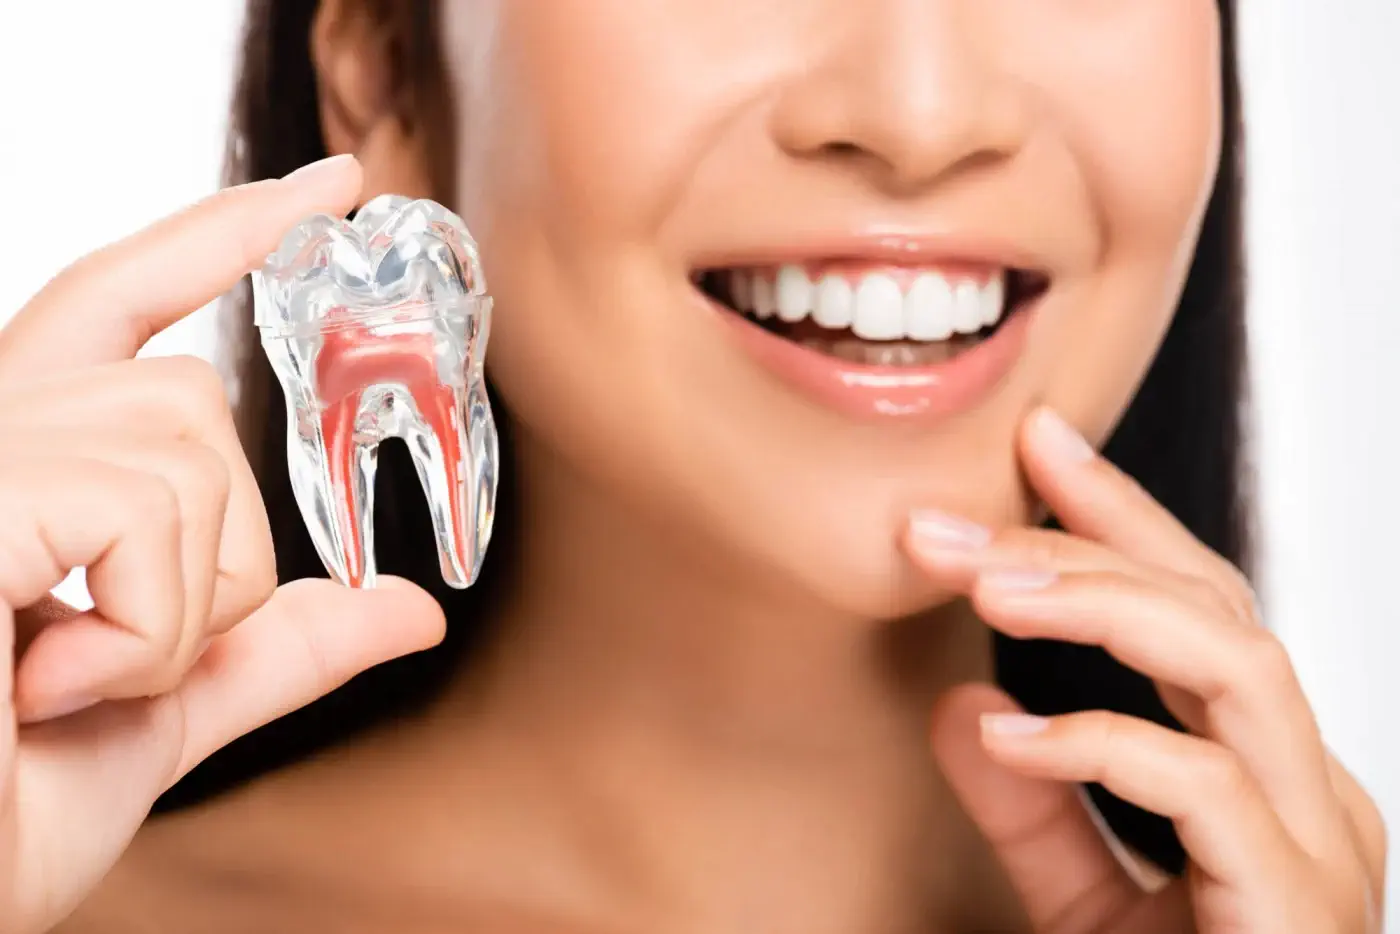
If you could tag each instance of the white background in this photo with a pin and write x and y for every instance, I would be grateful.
(110, 122)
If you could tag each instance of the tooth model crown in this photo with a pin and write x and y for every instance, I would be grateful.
(377, 328)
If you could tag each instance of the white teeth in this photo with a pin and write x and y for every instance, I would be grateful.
(934, 307)
(993, 300)
(879, 309)
(741, 289)
(835, 303)
(967, 308)
(765, 302)
(794, 293)
(928, 309)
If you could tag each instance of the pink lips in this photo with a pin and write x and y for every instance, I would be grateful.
(885, 392)
(900, 393)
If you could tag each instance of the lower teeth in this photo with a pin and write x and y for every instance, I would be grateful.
(892, 354)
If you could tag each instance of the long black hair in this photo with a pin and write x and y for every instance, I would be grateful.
(1182, 437)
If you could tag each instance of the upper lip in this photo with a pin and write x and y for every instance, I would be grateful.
(887, 246)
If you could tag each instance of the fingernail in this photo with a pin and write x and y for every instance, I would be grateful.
(59, 708)
(330, 166)
(941, 531)
(1062, 439)
(1018, 580)
(1013, 724)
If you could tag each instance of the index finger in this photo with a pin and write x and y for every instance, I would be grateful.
(104, 307)
(1094, 499)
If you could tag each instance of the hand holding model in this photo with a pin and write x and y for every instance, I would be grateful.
(132, 470)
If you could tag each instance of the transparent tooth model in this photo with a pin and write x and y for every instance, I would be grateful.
(377, 329)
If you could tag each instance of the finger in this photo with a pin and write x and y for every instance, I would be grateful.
(1221, 815)
(103, 768)
(107, 305)
(120, 665)
(1366, 821)
(122, 525)
(956, 552)
(310, 638)
(1253, 701)
(956, 555)
(1064, 869)
(179, 398)
(1093, 498)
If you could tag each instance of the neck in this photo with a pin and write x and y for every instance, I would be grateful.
(675, 691)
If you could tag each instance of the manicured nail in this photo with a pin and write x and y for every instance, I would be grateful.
(61, 707)
(1063, 440)
(1013, 724)
(942, 532)
(1018, 580)
(309, 173)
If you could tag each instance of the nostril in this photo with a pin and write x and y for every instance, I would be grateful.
(842, 149)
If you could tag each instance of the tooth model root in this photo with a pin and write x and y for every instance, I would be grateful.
(378, 387)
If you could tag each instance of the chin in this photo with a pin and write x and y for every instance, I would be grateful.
(837, 538)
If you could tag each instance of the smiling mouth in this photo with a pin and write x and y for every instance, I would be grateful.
(881, 316)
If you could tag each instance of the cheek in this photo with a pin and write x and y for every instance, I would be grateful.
(589, 114)
(568, 166)
(1143, 117)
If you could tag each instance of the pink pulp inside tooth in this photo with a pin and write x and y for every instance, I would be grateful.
(352, 360)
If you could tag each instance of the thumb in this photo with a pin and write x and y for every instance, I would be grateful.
(1060, 864)
(309, 639)
(98, 771)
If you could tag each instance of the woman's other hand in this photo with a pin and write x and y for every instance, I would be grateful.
(1281, 838)
(132, 470)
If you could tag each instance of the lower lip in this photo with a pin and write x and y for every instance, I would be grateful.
(883, 392)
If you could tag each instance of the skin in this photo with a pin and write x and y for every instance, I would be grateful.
(701, 713)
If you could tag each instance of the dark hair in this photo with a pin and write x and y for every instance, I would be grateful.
(1182, 437)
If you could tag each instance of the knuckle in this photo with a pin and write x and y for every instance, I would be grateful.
(1265, 661)
(255, 586)
(1219, 772)
(164, 676)
(1238, 593)
(206, 471)
(151, 500)
(1037, 546)
(198, 377)
(1370, 820)
(1103, 733)
(193, 392)
(1107, 728)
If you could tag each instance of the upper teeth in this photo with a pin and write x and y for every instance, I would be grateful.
(874, 306)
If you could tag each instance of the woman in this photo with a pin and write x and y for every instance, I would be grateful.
(762, 513)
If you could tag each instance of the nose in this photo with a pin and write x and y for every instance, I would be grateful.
(909, 90)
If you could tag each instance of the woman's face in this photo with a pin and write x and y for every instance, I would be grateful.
(1027, 177)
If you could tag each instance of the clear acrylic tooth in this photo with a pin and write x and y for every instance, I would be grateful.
(377, 330)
